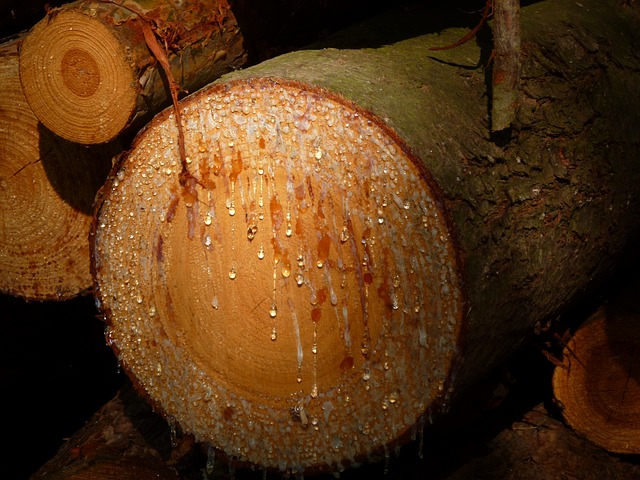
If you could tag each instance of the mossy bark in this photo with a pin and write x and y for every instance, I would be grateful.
(539, 216)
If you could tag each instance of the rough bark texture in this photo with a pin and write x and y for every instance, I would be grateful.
(597, 386)
(47, 187)
(123, 440)
(534, 221)
(89, 73)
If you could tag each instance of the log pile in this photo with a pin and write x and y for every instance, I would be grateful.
(90, 69)
(304, 262)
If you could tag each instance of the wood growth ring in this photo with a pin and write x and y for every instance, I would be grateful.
(77, 78)
(301, 307)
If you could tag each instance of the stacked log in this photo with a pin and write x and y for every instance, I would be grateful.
(92, 69)
(47, 188)
(342, 246)
(597, 386)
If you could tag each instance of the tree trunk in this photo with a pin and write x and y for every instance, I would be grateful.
(88, 72)
(47, 187)
(598, 384)
(344, 246)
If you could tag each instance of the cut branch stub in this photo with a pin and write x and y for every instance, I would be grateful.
(301, 307)
(47, 188)
(88, 73)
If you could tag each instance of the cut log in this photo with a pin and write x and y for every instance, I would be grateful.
(123, 440)
(347, 247)
(88, 72)
(47, 188)
(598, 384)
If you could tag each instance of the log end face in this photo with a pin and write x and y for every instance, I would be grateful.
(77, 77)
(47, 187)
(598, 385)
(298, 306)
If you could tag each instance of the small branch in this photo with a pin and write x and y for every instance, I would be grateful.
(488, 10)
(505, 79)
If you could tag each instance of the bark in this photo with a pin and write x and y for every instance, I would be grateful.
(47, 187)
(352, 247)
(597, 385)
(89, 73)
(123, 440)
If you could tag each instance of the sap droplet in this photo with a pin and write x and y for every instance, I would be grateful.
(299, 279)
(289, 231)
(207, 220)
(139, 299)
(261, 252)
(214, 302)
(273, 311)
(274, 334)
(380, 220)
(232, 273)
(285, 271)
(366, 375)
(152, 311)
(344, 234)
(251, 231)
(300, 261)
(207, 241)
(396, 281)
(232, 210)
(319, 263)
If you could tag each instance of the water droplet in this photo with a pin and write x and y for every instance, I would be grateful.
(344, 234)
(319, 263)
(380, 220)
(273, 312)
(232, 210)
(260, 170)
(274, 334)
(285, 271)
(334, 298)
(300, 261)
(261, 252)
(207, 241)
(289, 231)
(207, 220)
(232, 273)
(299, 279)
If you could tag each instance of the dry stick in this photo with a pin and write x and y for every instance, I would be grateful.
(505, 78)
(149, 31)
